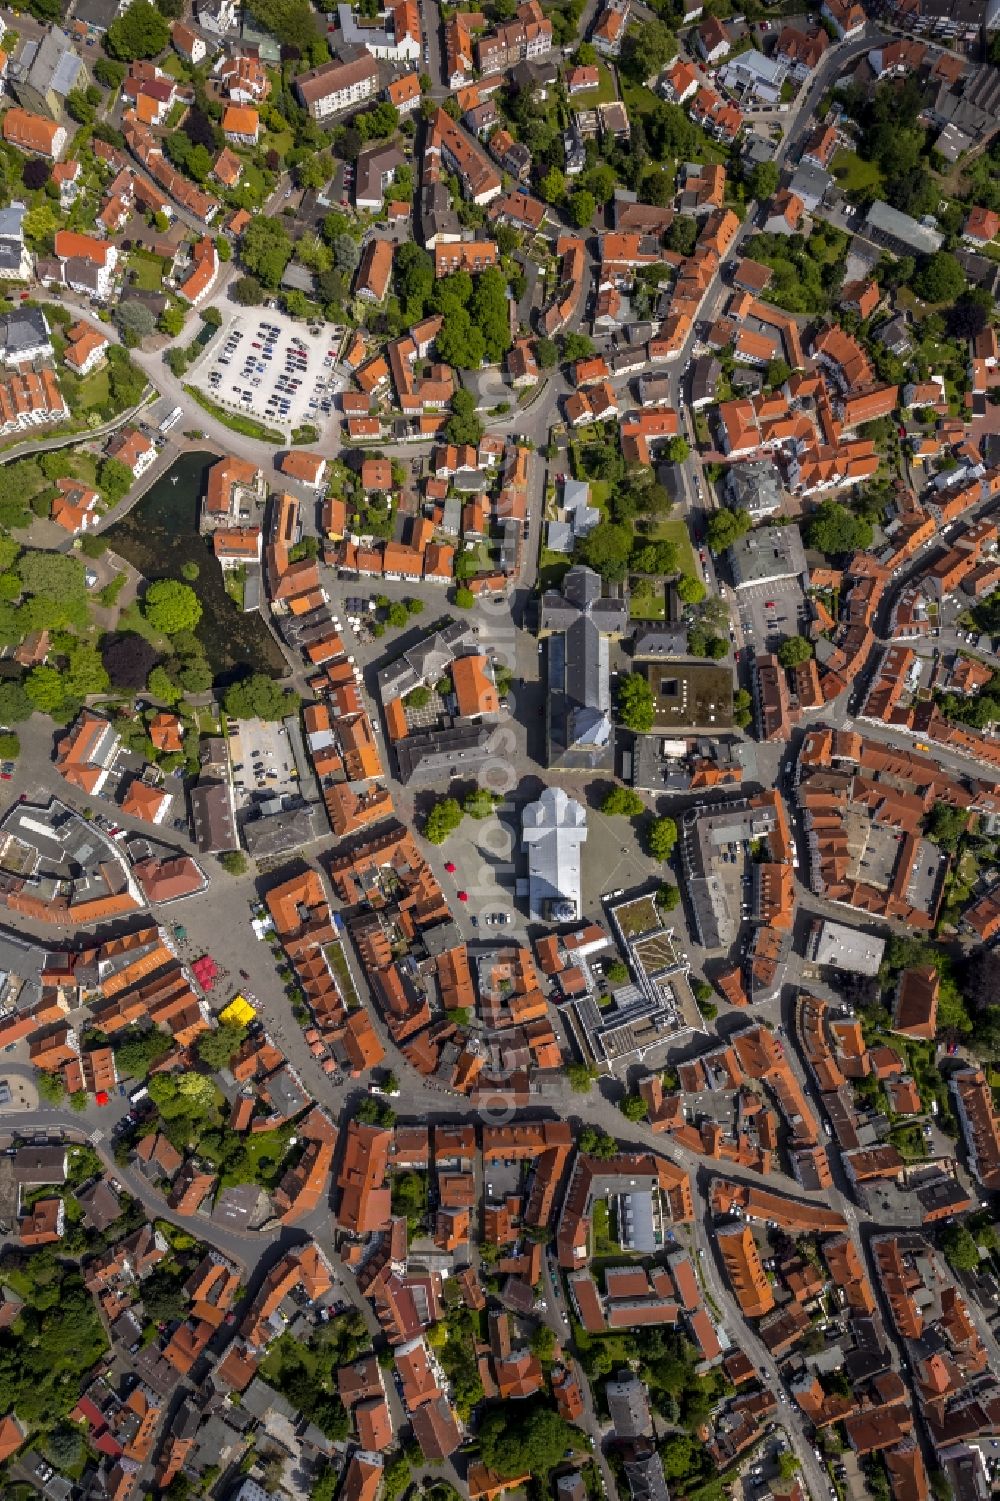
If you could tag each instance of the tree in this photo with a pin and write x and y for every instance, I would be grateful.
(266, 249)
(171, 606)
(607, 549)
(398, 615)
(636, 706)
(581, 1076)
(582, 208)
(128, 658)
(480, 804)
(234, 862)
(464, 599)
(110, 73)
(723, 528)
(162, 687)
(939, 278)
(140, 32)
(135, 319)
(442, 820)
(683, 234)
(576, 347)
(489, 309)
(764, 180)
(85, 672)
(114, 478)
(778, 372)
(553, 185)
(172, 321)
(668, 897)
(259, 697)
(959, 1246)
(623, 801)
(794, 650)
(346, 252)
(46, 689)
(833, 529)
(678, 449)
(633, 1107)
(216, 1048)
(291, 22)
(463, 426)
(546, 353)
(661, 838)
(690, 590)
(15, 705)
(742, 708)
(35, 173)
(526, 1438)
(247, 291)
(648, 47)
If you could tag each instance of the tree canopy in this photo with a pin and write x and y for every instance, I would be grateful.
(259, 697)
(526, 1438)
(661, 838)
(794, 650)
(635, 703)
(939, 278)
(140, 32)
(266, 249)
(442, 820)
(171, 606)
(833, 529)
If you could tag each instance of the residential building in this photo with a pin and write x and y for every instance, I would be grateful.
(46, 71)
(86, 347)
(24, 337)
(374, 271)
(133, 449)
(86, 265)
(16, 260)
(34, 133)
(336, 86)
(376, 168)
(396, 38)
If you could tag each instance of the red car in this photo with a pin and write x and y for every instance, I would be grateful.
(463, 896)
(449, 866)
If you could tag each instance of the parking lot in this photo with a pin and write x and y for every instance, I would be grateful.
(263, 762)
(770, 612)
(272, 368)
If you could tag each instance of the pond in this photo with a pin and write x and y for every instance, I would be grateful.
(160, 534)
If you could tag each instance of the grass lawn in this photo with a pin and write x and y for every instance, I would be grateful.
(676, 531)
(603, 94)
(248, 426)
(638, 99)
(600, 491)
(648, 606)
(81, 465)
(272, 1145)
(337, 961)
(173, 65)
(853, 174)
(281, 143)
(482, 556)
(95, 390)
(552, 568)
(147, 270)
